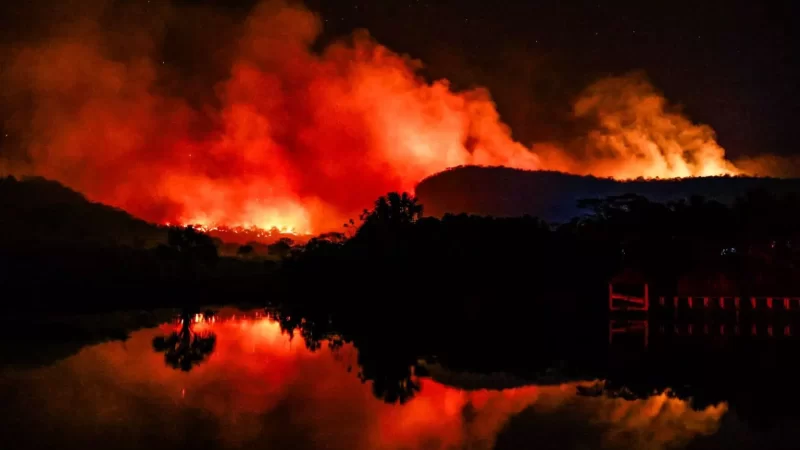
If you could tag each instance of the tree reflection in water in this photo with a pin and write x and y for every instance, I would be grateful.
(391, 367)
(259, 388)
(187, 347)
(394, 376)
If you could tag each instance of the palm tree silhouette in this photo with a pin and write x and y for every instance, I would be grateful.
(394, 209)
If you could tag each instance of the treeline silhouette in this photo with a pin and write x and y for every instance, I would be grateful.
(699, 246)
(398, 256)
(754, 377)
(397, 252)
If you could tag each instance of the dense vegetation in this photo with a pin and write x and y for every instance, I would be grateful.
(398, 252)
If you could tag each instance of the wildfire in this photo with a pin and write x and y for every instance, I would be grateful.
(301, 141)
(250, 231)
(260, 222)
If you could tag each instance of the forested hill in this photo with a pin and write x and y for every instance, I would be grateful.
(552, 196)
(36, 211)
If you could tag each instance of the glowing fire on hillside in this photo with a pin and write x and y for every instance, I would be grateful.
(301, 141)
(253, 232)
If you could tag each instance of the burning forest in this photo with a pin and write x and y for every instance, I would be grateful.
(289, 136)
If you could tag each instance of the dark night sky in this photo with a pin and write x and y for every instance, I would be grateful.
(727, 63)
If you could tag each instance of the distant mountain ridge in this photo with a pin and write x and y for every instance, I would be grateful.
(553, 196)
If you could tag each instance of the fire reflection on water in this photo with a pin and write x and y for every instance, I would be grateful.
(259, 386)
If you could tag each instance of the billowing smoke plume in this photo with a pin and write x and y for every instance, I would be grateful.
(291, 137)
(634, 133)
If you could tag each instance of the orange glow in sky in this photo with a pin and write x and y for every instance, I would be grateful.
(303, 141)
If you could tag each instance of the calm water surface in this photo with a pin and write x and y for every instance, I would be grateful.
(251, 386)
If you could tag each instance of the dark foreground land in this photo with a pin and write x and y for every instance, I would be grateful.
(60, 252)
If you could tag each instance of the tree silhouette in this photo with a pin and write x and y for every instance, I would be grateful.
(245, 250)
(185, 348)
(192, 244)
(393, 210)
(392, 375)
(281, 247)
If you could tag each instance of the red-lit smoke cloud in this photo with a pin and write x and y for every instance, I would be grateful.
(294, 138)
